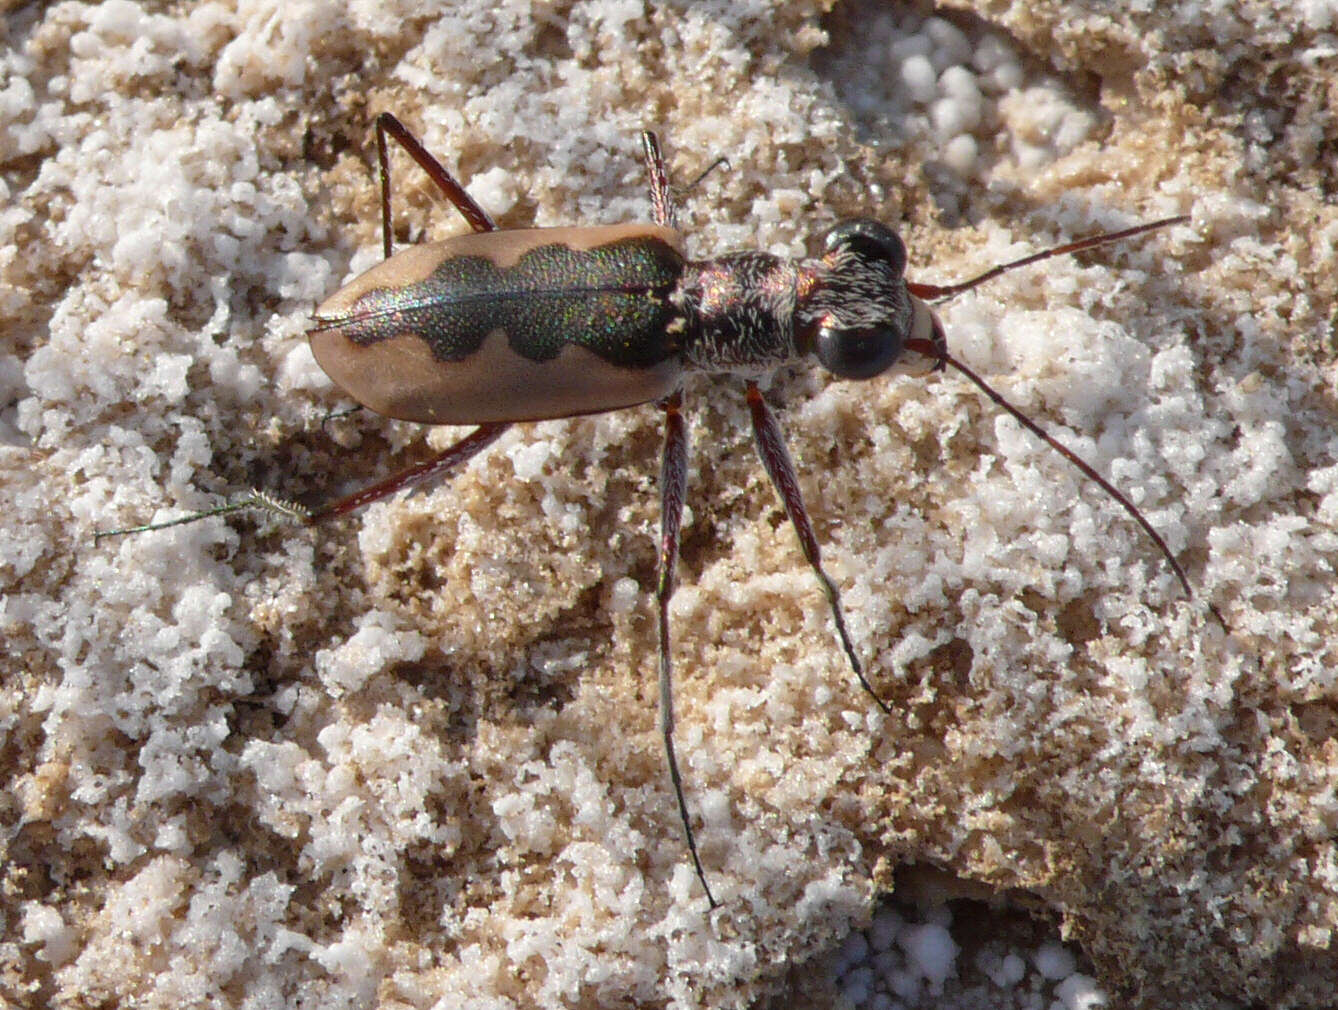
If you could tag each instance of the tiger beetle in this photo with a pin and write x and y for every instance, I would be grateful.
(528, 324)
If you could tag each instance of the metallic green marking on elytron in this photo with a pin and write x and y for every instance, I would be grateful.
(612, 300)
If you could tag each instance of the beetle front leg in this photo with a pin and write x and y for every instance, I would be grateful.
(776, 459)
(673, 491)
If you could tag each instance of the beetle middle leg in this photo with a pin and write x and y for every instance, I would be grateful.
(776, 460)
(673, 490)
(663, 211)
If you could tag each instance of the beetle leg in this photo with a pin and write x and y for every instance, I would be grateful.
(478, 218)
(776, 459)
(457, 455)
(661, 199)
(673, 489)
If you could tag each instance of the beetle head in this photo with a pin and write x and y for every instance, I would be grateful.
(856, 314)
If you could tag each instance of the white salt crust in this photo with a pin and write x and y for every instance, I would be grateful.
(411, 759)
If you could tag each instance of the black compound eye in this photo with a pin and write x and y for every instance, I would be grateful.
(858, 352)
(869, 239)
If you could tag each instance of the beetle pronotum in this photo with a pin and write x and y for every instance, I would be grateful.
(502, 326)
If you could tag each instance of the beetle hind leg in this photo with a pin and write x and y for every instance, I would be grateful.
(776, 460)
(387, 125)
(435, 467)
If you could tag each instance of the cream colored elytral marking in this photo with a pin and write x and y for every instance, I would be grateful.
(518, 389)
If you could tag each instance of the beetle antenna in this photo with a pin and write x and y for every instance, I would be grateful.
(257, 499)
(928, 348)
(940, 292)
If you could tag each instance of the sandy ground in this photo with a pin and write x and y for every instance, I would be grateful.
(410, 759)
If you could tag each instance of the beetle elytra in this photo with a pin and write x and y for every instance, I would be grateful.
(503, 326)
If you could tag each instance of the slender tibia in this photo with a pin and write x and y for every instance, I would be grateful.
(776, 459)
(673, 490)
(435, 467)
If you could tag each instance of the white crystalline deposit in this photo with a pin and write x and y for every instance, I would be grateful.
(411, 757)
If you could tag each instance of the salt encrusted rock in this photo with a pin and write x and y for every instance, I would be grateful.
(411, 759)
